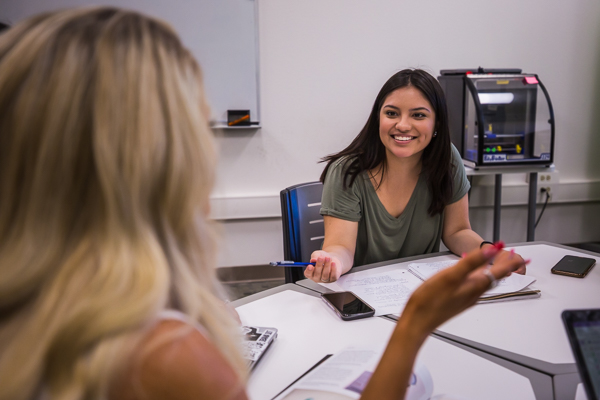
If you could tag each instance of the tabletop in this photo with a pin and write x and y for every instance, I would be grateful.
(530, 328)
(309, 330)
(533, 328)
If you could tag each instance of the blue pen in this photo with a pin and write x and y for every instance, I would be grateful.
(289, 264)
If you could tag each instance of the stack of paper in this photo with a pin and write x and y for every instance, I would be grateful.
(511, 287)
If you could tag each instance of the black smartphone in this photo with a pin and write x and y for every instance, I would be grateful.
(583, 330)
(347, 305)
(575, 266)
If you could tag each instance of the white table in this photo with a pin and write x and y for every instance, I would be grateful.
(523, 333)
(531, 332)
(308, 331)
(533, 328)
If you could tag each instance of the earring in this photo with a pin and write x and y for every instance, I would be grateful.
(435, 134)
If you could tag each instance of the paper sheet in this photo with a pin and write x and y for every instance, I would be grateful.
(427, 269)
(387, 292)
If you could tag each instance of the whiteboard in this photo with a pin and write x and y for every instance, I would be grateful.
(222, 35)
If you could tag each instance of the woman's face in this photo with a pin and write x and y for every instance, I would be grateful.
(406, 123)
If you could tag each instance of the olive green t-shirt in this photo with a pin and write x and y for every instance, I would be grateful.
(382, 237)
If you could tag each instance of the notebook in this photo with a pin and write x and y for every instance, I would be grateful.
(513, 287)
(583, 330)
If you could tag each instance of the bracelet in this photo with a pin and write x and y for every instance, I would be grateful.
(485, 242)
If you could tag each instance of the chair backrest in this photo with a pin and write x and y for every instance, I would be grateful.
(303, 229)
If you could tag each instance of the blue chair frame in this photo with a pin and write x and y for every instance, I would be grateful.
(303, 229)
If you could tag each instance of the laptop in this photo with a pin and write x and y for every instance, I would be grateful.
(257, 340)
(583, 330)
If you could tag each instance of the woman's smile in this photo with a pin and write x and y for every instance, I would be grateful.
(403, 138)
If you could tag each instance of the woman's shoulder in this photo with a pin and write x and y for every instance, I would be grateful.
(454, 154)
(175, 360)
(339, 168)
(340, 179)
(342, 164)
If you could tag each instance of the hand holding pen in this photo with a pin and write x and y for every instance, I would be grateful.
(327, 268)
(322, 268)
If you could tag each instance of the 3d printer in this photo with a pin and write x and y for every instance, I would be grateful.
(499, 117)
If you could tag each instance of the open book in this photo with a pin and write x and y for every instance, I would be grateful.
(512, 287)
(344, 376)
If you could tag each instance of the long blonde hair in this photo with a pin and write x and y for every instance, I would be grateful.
(106, 164)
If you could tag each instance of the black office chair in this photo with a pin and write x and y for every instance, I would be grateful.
(303, 229)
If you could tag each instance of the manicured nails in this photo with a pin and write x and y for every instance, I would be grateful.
(491, 251)
(464, 255)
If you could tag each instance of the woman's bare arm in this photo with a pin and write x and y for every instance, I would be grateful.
(438, 299)
(458, 235)
(337, 255)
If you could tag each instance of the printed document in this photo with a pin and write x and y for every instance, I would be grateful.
(387, 292)
(345, 375)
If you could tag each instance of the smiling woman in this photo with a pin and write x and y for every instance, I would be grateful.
(406, 124)
(106, 251)
(399, 188)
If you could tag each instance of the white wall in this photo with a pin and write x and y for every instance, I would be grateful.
(323, 61)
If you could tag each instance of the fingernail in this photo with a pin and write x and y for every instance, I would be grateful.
(309, 267)
(464, 255)
(512, 252)
(491, 250)
(527, 261)
(499, 245)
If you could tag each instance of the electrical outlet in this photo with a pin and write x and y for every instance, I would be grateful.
(546, 192)
(548, 180)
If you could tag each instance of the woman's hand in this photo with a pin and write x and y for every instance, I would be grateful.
(454, 289)
(509, 254)
(327, 268)
(337, 253)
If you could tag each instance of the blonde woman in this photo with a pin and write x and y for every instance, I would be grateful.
(107, 287)
(106, 164)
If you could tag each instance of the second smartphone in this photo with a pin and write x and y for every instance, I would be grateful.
(574, 266)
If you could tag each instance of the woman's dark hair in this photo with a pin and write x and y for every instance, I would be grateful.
(367, 151)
